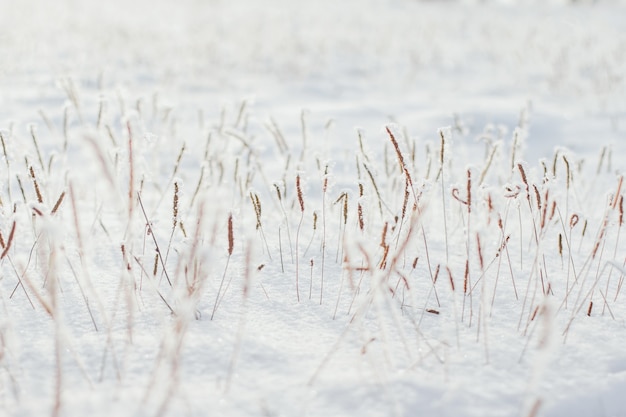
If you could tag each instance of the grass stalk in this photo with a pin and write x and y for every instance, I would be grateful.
(231, 244)
(323, 248)
(443, 192)
(282, 207)
(156, 244)
(301, 203)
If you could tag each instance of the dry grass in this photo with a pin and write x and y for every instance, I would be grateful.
(386, 222)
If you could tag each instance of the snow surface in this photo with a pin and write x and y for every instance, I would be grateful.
(436, 303)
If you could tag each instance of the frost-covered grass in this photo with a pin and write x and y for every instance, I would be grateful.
(143, 259)
(380, 230)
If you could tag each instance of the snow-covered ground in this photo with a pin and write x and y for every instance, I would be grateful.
(296, 208)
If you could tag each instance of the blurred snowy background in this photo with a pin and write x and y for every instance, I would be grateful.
(418, 61)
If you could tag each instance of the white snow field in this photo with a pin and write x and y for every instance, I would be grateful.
(312, 208)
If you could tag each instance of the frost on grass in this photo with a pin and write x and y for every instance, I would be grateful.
(162, 276)
(163, 255)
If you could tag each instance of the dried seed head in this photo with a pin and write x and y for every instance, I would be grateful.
(258, 204)
(556, 158)
(567, 170)
(360, 215)
(315, 220)
(535, 311)
(523, 174)
(451, 279)
(231, 239)
(280, 198)
(406, 198)
(383, 239)
(443, 146)
(437, 275)
(544, 213)
(58, 203)
(383, 262)
(175, 205)
(156, 264)
(537, 196)
(512, 191)
(397, 148)
(553, 210)
(36, 184)
(299, 190)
